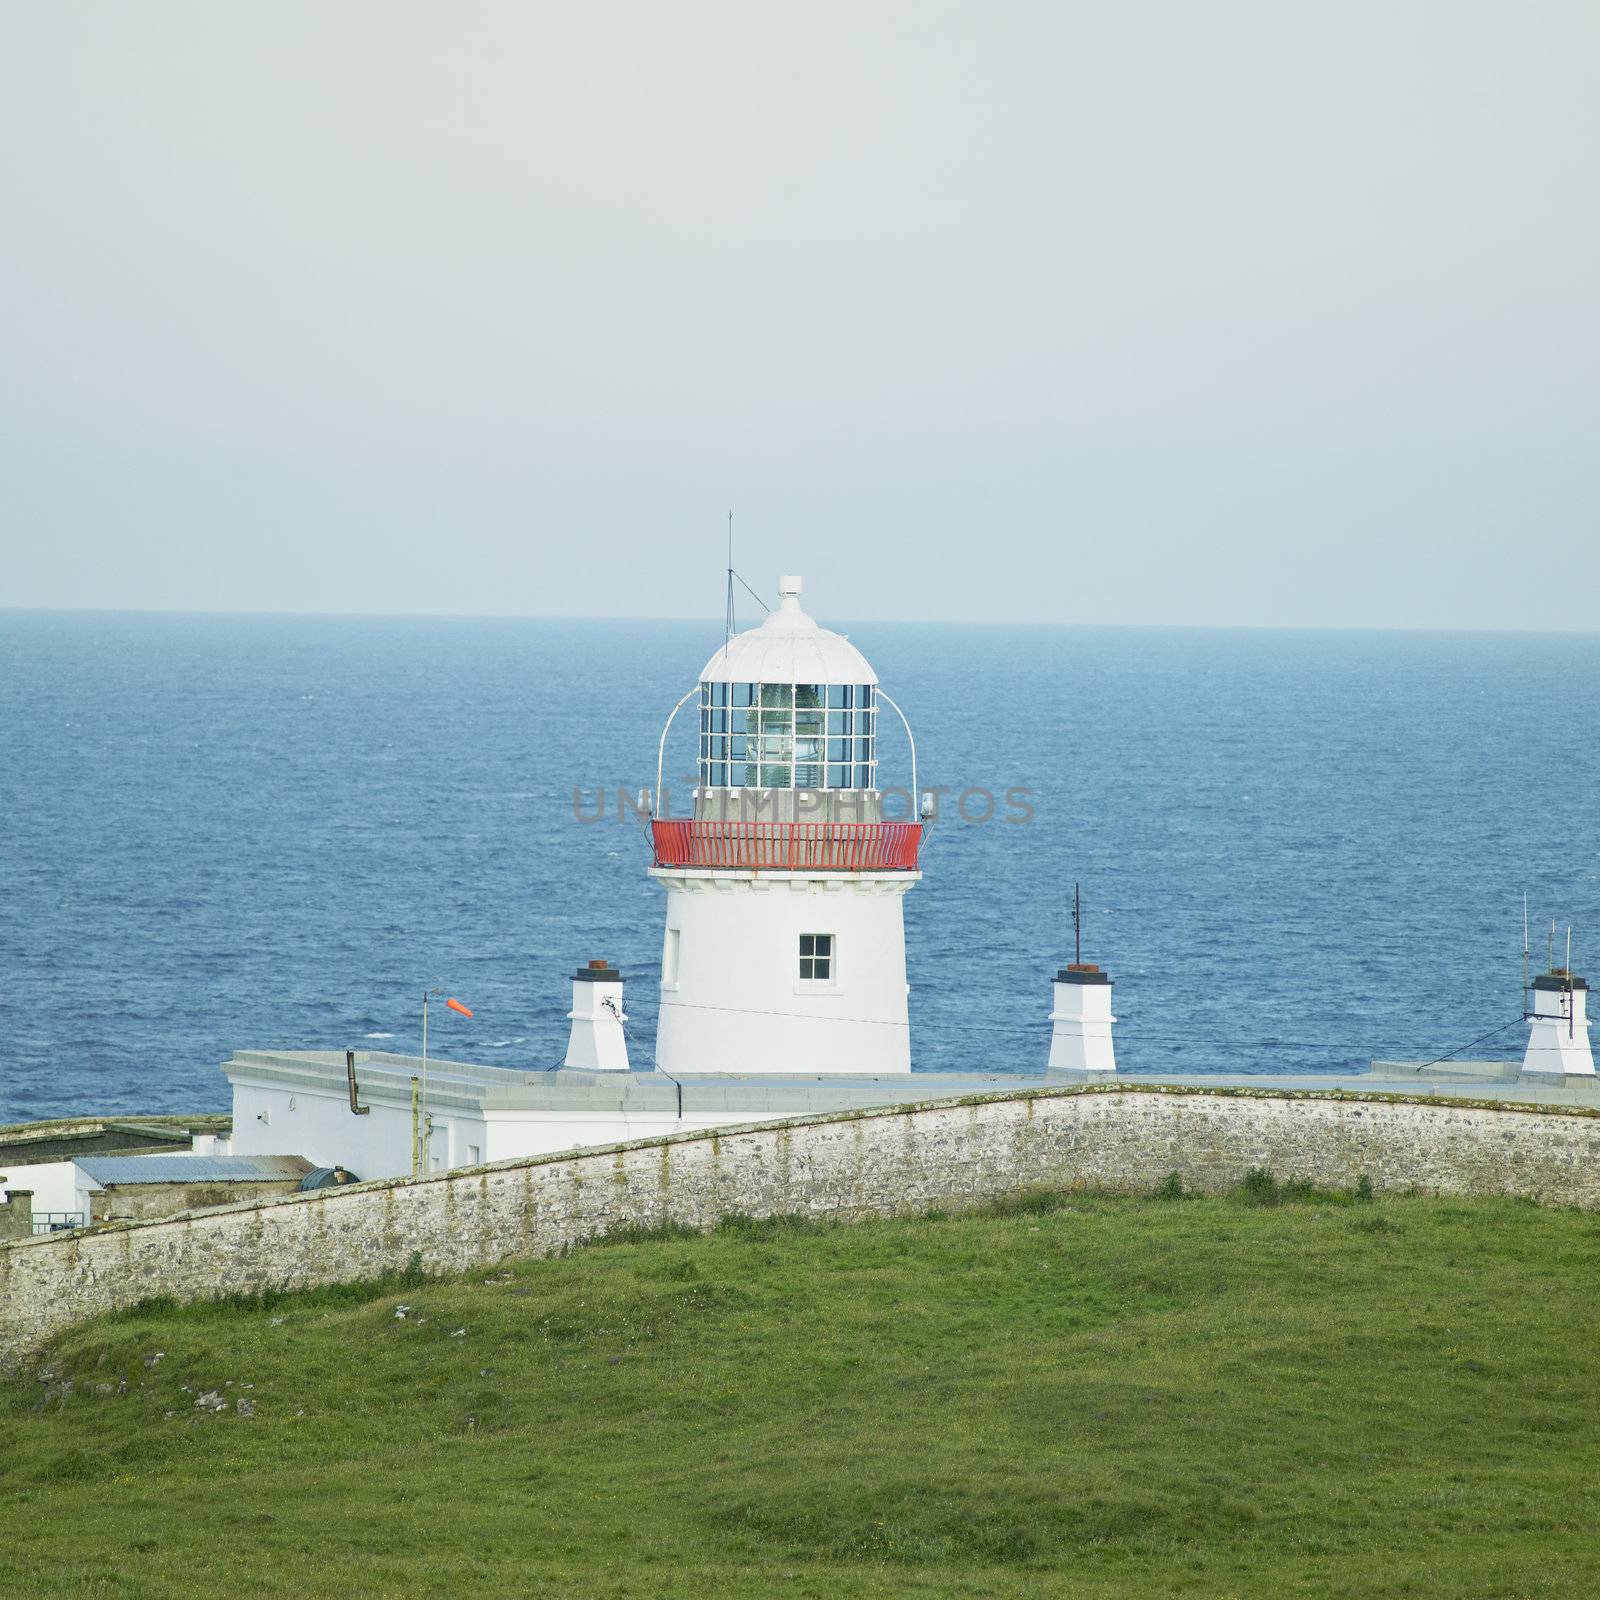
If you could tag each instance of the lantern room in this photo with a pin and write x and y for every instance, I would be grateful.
(788, 705)
(788, 724)
(788, 751)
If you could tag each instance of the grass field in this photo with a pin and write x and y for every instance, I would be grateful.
(1070, 1396)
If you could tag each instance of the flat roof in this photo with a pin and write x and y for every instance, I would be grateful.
(108, 1170)
(468, 1086)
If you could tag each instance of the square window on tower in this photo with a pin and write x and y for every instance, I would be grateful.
(816, 957)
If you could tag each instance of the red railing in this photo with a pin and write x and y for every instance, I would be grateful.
(789, 846)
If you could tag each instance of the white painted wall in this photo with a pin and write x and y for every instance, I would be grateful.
(322, 1129)
(596, 1041)
(271, 1120)
(1080, 1037)
(738, 1003)
(1558, 1033)
(57, 1186)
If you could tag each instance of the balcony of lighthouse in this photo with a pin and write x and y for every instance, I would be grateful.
(787, 782)
(787, 774)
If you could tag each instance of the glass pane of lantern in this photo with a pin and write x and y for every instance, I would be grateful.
(777, 694)
(774, 777)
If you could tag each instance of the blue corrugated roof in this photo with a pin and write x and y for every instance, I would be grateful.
(190, 1169)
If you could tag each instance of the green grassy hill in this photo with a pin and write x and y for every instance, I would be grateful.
(1076, 1396)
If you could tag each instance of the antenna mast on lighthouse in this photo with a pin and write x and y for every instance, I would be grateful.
(1525, 978)
(1077, 927)
(728, 636)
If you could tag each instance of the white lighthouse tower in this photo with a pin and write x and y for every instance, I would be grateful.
(785, 936)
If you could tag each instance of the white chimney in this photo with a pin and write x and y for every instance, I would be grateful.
(1081, 1036)
(1558, 1026)
(597, 1042)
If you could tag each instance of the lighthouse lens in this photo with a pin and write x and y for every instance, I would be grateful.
(787, 736)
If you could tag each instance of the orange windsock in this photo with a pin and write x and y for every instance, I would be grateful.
(456, 1005)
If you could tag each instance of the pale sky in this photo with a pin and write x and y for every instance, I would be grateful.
(1226, 312)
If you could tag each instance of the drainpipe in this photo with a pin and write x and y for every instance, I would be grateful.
(350, 1073)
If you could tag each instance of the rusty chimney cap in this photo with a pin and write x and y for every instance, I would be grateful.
(600, 963)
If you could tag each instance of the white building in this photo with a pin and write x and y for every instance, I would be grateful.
(783, 974)
(785, 936)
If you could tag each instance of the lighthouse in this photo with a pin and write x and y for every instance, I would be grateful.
(784, 949)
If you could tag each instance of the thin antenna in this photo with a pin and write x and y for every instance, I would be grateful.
(1077, 927)
(1552, 944)
(1572, 1009)
(728, 636)
(1524, 954)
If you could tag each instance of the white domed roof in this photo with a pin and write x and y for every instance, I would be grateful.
(788, 647)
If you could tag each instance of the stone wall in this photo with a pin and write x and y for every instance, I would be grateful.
(138, 1202)
(850, 1164)
(16, 1214)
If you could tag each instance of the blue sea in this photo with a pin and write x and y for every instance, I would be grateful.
(1298, 850)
